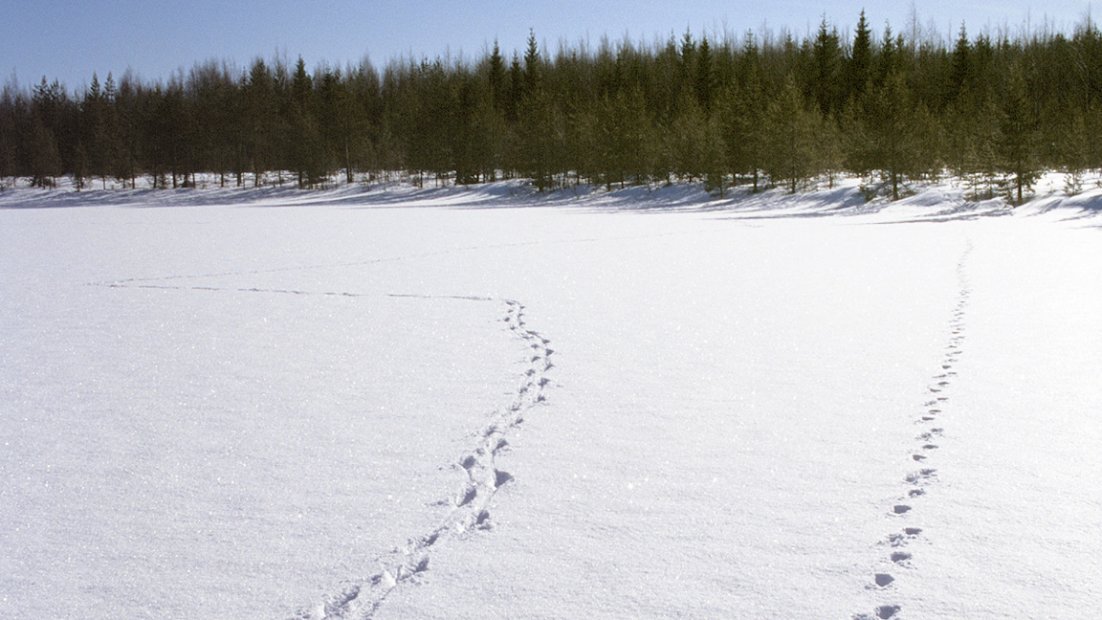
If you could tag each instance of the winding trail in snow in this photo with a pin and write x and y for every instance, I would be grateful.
(481, 475)
(923, 451)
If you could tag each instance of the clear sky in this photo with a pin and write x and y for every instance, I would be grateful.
(70, 40)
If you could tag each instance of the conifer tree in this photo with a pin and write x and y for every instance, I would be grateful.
(826, 57)
(259, 112)
(1018, 137)
(306, 151)
(8, 131)
(791, 139)
(45, 158)
(624, 138)
(960, 67)
(686, 139)
(859, 66)
(705, 76)
(742, 117)
(498, 79)
(94, 109)
(894, 128)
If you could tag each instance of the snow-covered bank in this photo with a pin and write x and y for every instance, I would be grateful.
(948, 199)
(256, 412)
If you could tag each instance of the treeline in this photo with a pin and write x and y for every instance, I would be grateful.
(767, 110)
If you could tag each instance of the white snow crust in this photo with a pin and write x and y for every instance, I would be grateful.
(466, 403)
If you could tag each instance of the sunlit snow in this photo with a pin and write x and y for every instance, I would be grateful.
(450, 403)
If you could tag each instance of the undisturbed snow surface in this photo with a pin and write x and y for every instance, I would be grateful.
(442, 404)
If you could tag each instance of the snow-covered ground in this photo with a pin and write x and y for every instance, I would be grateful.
(446, 403)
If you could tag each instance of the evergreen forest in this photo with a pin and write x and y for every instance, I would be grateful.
(762, 110)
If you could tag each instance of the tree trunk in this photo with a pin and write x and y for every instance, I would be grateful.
(347, 163)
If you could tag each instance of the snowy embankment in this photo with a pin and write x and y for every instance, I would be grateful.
(391, 402)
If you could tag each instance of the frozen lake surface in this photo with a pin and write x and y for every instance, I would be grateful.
(443, 403)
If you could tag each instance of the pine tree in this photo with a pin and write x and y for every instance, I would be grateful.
(94, 111)
(686, 139)
(516, 90)
(8, 134)
(624, 138)
(45, 159)
(306, 151)
(499, 86)
(705, 76)
(541, 139)
(259, 110)
(1016, 149)
(859, 66)
(533, 67)
(960, 67)
(826, 57)
(128, 138)
(742, 117)
(46, 110)
(895, 132)
(790, 136)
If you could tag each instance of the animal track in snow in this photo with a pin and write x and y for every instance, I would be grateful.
(941, 382)
(468, 507)
(884, 612)
(920, 476)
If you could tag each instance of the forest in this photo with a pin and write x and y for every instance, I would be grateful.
(760, 110)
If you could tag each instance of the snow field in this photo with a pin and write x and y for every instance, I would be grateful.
(233, 411)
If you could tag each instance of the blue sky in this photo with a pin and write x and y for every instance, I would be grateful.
(69, 41)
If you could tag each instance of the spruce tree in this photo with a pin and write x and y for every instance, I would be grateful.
(743, 115)
(826, 57)
(306, 152)
(45, 158)
(960, 67)
(859, 66)
(499, 86)
(791, 138)
(1016, 149)
(705, 76)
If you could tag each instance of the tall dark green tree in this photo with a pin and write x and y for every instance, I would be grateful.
(827, 60)
(260, 115)
(705, 77)
(307, 154)
(790, 135)
(895, 132)
(1018, 141)
(859, 65)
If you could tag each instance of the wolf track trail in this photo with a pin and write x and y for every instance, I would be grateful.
(481, 475)
(905, 510)
(479, 469)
